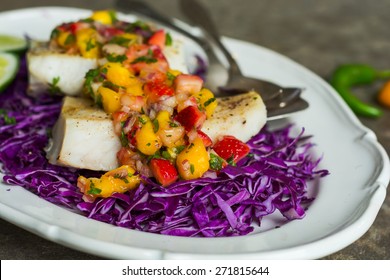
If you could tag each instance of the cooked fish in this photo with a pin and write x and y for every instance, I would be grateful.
(61, 72)
(56, 71)
(84, 136)
(241, 116)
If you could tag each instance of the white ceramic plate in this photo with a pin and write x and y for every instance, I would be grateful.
(346, 205)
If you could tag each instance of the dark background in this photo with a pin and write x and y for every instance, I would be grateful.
(317, 34)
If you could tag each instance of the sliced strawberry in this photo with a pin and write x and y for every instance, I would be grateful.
(164, 171)
(131, 135)
(149, 68)
(158, 39)
(109, 32)
(125, 157)
(185, 83)
(231, 149)
(186, 103)
(137, 50)
(155, 90)
(191, 118)
(152, 74)
(205, 138)
(142, 56)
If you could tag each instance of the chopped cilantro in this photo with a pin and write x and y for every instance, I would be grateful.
(156, 125)
(116, 58)
(170, 76)
(168, 39)
(124, 140)
(113, 16)
(70, 39)
(146, 59)
(93, 189)
(208, 102)
(192, 168)
(173, 124)
(7, 119)
(90, 45)
(111, 86)
(141, 120)
(54, 33)
(216, 162)
(179, 149)
(121, 41)
(90, 77)
(86, 20)
(53, 86)
(166, 155)
(230, 160)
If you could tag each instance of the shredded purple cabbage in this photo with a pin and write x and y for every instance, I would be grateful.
(274, 177)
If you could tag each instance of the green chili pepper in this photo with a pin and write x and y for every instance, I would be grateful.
(349, 75)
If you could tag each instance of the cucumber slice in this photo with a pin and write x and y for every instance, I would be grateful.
(9, 65)
(10, 43)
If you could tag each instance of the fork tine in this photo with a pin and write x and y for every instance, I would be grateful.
(284, 97)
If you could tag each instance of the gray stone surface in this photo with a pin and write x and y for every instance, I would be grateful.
(317, 34)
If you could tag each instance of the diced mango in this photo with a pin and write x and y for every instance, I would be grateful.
(128, 39)
(119, 75)
(110, 99)
(104, 16)
(207, 101)
(169, 134)
(86, 40)
(118, 180)
(65, 39)
(135, 89)
(193, 161)
(163, 118)
(147, 141)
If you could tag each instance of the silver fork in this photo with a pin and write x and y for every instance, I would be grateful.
(275, 96)
(280, 102)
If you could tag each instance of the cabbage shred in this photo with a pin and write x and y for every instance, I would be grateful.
(275, 177)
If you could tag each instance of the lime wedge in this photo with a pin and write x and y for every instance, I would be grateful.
(9, 64)
(12, 44)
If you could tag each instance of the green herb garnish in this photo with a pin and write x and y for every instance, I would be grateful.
(168, 39)
(53, 86)
(93, 189)
(116, 58)
(7, 119)
(216, 162)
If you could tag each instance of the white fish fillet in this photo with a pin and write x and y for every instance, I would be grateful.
(241, 116)
(45, 66)
(84, 137)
